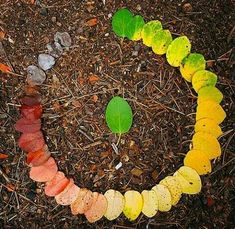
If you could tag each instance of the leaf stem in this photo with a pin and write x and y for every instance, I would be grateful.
(119, 138)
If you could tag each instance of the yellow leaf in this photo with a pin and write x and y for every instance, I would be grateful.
(115, 204)
(212, 110)
(150, 205)
(209, 93)
(174, 187)
(164, 197)
(189, 180)
(202, 79)
(133, 204)
(207, 144)
(198, 161)
(209, 126)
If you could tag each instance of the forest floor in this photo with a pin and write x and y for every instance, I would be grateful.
(73, 121)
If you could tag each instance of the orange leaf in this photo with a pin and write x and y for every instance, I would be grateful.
(2, 35)
(10, 187)
(93, 79)
(95, 98)
(92, 22)
(3, 156)
(4, 68)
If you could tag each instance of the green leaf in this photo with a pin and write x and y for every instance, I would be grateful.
(120, 22)
(178, 50)
(135, 27)
(192, 63)
(118, 115)
(161, 41)
(149, 30)
(209, 93)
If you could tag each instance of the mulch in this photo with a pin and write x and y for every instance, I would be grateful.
(74, 105)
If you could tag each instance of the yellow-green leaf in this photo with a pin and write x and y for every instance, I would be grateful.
(209, 93)
(203, 78)
(135, 27)
(192, 63)
(178, 49)
(149, 30)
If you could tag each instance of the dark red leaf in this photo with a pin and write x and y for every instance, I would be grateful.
(31, 142)
(31, 112)
(39, 157)
(31, 100)
(25, 125)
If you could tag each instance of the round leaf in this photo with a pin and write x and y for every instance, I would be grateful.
(150, 203)
(161, 41)
(209, 93)
(178, 50)
(149, 30)
(202, 79)
(120, 22)
(192, 63)
(135, 27)
(118, 115)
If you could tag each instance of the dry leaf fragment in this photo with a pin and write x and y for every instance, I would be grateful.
(3, 156)
(93, 79)
(92, 22)
(5, 68)
(95, 98)
(2, 35)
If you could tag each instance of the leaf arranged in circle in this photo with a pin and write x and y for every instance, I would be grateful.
(178, 50)
(149, 30)
(118, 115)
(192, 63)
(209, 93)
(135, 27)
(120, 22)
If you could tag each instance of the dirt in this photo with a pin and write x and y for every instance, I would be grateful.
(74, 124)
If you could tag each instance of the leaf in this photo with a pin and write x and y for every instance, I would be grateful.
(120, 22)
(209, 93)
(31, 112)
(118, 115)
(93, 79)
(39, 157)
(207, 144)
(115, 204)
(212, 110)
(27, 126)
(149, 30)
(44, 172)
(174, 187)
(31, 142)
(3, 156)
(161, 42)
(189, 180)
(2, 35)
(97, 209)
(209, 126)
(202, 79)
(133, 204)
(92, 22)
(134, 28)
(4, 68)
(163, 196)
(178, 49)
(192, 63)
(150, 203)
(56, 185)
(198, 161)
(31, 100)
(68, 195)
(82, 202)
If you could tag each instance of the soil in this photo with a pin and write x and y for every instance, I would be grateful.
(73, 122)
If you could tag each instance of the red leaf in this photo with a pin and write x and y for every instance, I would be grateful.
(56, 185)
(31, 142)
(31, 100)
(39, 157)
(3, 156)
(4, 68)
(31, 112)
(27, 126)
(68, 195)
(44, 172)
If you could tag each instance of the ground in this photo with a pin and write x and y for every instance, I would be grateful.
(73, 121)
